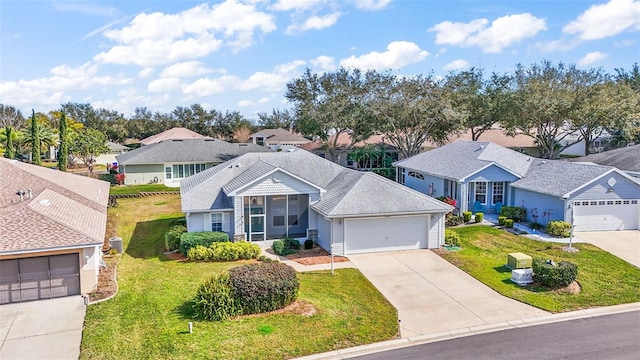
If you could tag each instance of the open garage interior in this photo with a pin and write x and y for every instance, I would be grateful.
(606, 215)
(37, 278)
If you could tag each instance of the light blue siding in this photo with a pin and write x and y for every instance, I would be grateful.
(324, 233)
(423, 185)
(492, 173)
(542, 203)
(623, 188)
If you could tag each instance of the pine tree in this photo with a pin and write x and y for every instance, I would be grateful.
(63, 150)
(35, 140)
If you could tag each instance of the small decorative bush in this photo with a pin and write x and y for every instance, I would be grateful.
(479, 217)
(285, 246)
(467, 216)
(508, 223)
(536, 226)
(308, 244)
(263, 286)
(451, 238)
(119, 177)
(204, 238)
(215, 300)
(515, 213)
(501, 220)
(559, 228)
(172, 237)
(549, 274)
(452, 220)
(225, 251)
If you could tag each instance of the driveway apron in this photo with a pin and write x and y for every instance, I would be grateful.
(46, 329)
(623, 244)
(432, 295)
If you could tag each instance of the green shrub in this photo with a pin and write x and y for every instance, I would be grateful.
(508, 223)
(291, 243)
(172, 237)
(501, 220)
(308, 244)
(559, 228)
(215, 300)
(479, 217)
(549, 274)
(278, 247)
(451, 238)
(536, 226)
(225, 251)
(204, 238)
(467, 216)
(452, 220)
(263, 286)
(285, 246)
(514, 213)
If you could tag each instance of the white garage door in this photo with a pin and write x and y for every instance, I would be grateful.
(384, 234)
(603, 215)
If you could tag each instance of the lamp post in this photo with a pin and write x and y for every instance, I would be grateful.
(571, 233)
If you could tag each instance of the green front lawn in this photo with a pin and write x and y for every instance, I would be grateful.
(148, 319)
(605, 279)
(135, 189)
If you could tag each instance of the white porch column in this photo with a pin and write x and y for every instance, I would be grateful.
(464, 196)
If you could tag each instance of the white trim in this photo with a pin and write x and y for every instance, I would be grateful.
(614, 170)
(239, 189)
(488, 166)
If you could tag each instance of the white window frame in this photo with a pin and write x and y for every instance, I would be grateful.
(476, 187)
(500, 193)
(217, 219)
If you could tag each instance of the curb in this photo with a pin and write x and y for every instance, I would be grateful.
(469, 331)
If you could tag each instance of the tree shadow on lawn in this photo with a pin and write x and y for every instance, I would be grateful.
(147, 240)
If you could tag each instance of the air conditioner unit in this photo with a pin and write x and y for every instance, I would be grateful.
(522, 276)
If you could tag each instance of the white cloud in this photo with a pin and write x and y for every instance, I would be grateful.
(245, 103)
(185, 69)
(456, 65)
(263, 100)
(208, 86)
(398, 55)
(371, 4)
(164, 85)
(592, 57)
(324, 63)
(145, 73)
(604, 20)
(298, 5)
(315, 23)
(159, 38)
(503, 32)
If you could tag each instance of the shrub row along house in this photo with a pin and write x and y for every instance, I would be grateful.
(53, 227)
(483, 176)
(263, 196)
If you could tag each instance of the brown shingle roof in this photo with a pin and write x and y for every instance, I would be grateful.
(280, 135)
(63, 210)
(176, 133)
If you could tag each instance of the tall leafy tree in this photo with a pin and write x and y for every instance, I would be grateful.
(10, 116)
(35, 140)
(278, 119)
(63, 149)
(631, 77)
(9, 136)
(87, 144)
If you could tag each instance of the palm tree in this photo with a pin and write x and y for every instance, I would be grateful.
(44, 134)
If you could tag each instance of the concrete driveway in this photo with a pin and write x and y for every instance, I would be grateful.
(433, 296)
(46, 329)
(623, 244)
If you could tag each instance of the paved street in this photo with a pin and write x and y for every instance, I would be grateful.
(603, 337)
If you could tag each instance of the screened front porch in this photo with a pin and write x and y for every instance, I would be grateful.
(275, 216)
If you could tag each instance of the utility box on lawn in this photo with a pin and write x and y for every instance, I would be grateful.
(519, 261)
(522, 276)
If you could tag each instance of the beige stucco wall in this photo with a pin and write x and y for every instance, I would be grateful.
(143, 174)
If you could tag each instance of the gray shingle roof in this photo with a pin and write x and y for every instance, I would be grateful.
(558, 178)
(348, 192)
(64, 210)
(188, 150)
(626, 158)
(460, 159)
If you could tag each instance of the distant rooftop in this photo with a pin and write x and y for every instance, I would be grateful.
(176, 133)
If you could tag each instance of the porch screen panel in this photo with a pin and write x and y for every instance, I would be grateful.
(276, 216)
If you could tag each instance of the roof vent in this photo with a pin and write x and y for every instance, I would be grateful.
(543, 162)
(243, 144)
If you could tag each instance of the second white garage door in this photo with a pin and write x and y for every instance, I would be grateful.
(603, 215)
(385, 234)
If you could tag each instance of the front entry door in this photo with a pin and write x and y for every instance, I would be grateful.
(254, 212)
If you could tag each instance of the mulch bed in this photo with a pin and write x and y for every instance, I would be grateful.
(106, 281)
(315, 256)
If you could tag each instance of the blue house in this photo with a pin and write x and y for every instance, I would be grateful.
(483, 176)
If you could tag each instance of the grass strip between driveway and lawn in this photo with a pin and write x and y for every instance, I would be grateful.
(136, 189)
(604, 278)
(148, 319)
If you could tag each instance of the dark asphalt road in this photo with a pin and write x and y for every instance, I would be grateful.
(598, 338)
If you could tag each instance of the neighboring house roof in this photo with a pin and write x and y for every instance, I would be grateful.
(344, 139)
(64, 210)
(626, 158)
(115, 147)
(461, 159)
(176, 133)
(279, 135)
(189, 150)
(347, 192)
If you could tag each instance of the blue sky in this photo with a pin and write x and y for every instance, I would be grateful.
(239, 54)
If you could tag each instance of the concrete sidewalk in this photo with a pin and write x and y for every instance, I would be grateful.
(45, 329)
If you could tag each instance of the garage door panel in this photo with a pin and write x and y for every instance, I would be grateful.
(9, 282)
(598, 215)
(384, 234)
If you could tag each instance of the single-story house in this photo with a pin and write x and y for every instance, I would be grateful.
(483, 176)
(278, 139)
(625, 158)
(110, 156)
(53, 227)
(264, 196)
(176, 133)
(168, 162)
